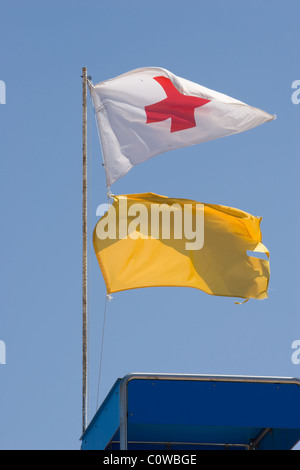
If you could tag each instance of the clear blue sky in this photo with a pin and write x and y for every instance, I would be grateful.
(248, 50)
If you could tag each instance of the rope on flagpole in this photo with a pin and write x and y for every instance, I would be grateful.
(108, 298)
(97, 126)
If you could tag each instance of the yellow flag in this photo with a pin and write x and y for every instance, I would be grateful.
(147, 240)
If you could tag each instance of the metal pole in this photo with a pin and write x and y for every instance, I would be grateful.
(84, 249)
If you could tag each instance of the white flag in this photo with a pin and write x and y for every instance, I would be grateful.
(149, 111)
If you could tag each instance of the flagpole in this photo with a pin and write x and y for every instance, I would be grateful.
(84, 249)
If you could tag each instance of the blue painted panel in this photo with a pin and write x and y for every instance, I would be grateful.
(257, 405)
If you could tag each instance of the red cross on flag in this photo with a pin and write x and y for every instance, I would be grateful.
(150, 110)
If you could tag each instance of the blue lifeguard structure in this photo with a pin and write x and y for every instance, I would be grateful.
(197, 412)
